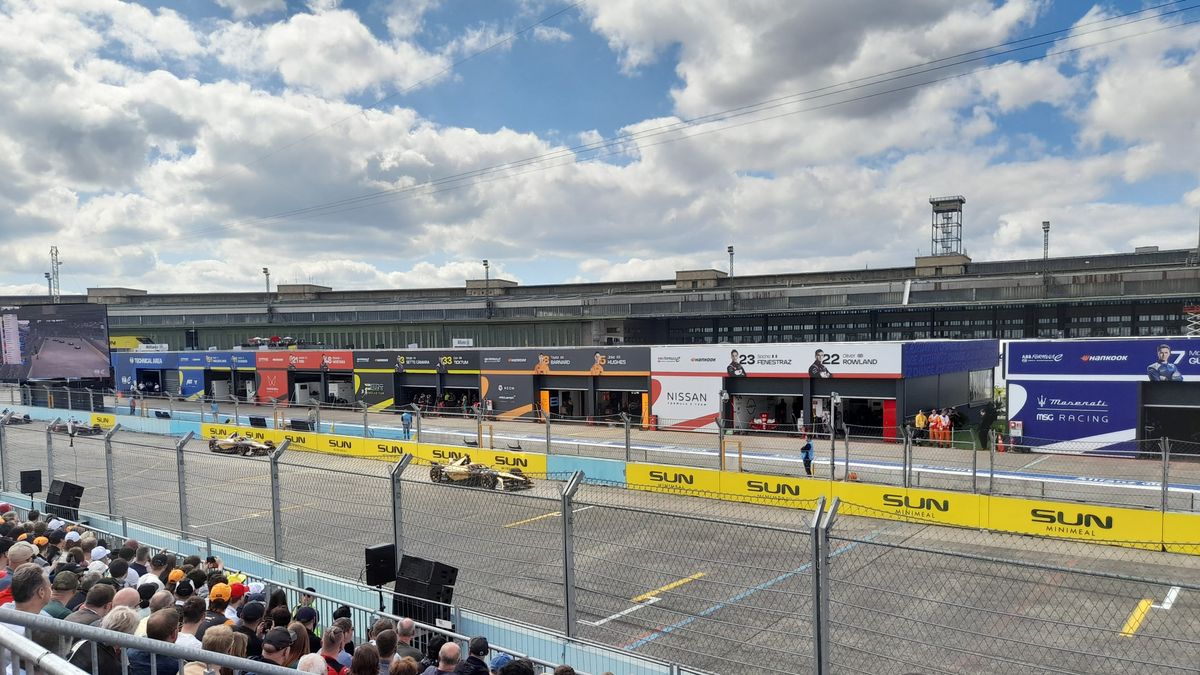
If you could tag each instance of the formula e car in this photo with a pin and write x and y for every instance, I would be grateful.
(462, 472)
(79, 429)
(15, 418)
(240, 445)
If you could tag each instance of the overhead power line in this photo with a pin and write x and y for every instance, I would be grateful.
(573, 154)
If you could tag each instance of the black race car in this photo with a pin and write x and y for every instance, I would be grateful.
(15, 418)
(77, 428)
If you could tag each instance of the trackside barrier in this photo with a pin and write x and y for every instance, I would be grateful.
(1121, 526)
(541, 645)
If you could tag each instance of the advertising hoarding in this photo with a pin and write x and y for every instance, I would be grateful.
(569, 361)
(686, 381)
(1085, 394)
(1146, 359)
(814, 359)
(417, 361)
(54, 341)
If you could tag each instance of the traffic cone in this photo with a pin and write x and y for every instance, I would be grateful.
(1000, 444)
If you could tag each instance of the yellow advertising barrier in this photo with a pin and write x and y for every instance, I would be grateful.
(218, 430)
(1134, 528)
(789, 491)
(1181, 533)
(301, 440)
(104, 420)
(660, 478)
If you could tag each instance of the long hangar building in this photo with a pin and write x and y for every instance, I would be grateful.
(947, 296)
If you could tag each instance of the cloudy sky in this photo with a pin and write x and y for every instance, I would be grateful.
(184, 145)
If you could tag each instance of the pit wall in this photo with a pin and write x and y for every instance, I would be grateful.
(1175, 532)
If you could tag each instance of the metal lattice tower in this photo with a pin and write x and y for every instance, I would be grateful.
(55, 263)
(946, 235)
(1191, 314)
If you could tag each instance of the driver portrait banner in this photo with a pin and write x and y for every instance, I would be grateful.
(807, 360)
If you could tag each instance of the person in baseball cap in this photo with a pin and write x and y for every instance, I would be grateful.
(478, 649)
(499, 662)
(276, 645)
(62, 589)
(99, 553)
(176, 576)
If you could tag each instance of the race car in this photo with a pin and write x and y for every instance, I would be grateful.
(240, 445)
(462, 472)
(15, 418)
(78, 428)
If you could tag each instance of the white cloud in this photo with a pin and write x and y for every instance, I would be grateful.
(405, 17)
(476, 39)
(155, 179)
(330, 52)
(545, 33)
(246, 8)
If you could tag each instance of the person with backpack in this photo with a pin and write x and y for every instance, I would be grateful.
(333, 640)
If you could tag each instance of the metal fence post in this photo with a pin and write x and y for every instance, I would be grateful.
(479, 428)
(237, 417)
(1165, 445)
(4, 453)
(906, 460)
(50, 448)
(109, 473)
(417, 409)
(70, 403)
(549, 442)
(366, 429)
(277, 502)
(821, 568)
(625, 421)
(568, 543)
(91, 400)
(975, 468)
(397, 507)
(181, 476)
(815, 552)
(846, 438)
(992, 463)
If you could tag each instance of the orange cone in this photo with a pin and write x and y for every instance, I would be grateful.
(999, 444)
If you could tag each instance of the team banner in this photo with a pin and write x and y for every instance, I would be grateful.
(418, 361)
(305, 360)
(686, 403)
(1173, 360)
(1080, 411)
(569, 361)
(813, 359)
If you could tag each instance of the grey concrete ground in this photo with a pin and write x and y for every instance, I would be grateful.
(721, 586)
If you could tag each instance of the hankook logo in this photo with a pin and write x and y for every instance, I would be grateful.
(1114, 358)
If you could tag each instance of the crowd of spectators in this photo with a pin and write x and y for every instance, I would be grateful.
(58, 569)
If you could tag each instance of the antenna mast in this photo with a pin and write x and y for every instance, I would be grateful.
(55, 263)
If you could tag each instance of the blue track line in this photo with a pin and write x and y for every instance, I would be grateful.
(667, 630)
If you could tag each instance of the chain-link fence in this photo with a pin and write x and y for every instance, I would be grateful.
(722, 586)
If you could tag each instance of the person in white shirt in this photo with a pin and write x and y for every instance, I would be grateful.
(193, 613)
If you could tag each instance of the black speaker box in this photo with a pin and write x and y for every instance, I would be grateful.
(31, 481)
(381, 564)
(258, 422)
(421, 611)
(299, 425)
(425, 591)
(428, 571)
(63, 499)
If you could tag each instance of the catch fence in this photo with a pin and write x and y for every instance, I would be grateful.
(719, 586)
